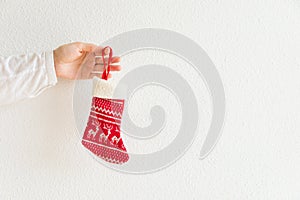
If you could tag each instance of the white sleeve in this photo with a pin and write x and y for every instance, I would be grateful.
(25, 76)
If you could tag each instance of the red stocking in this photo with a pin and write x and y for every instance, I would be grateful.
(102, 135)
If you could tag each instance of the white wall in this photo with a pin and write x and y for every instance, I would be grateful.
(255, 46)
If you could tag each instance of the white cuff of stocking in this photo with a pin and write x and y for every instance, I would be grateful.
(105, 89)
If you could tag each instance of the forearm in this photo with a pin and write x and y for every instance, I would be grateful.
(25, 76)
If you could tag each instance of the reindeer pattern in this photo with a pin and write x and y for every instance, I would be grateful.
(92, 132)
(104, 133)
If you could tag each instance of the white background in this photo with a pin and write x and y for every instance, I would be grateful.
(255, 46)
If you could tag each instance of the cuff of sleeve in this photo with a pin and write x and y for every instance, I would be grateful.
(49, 64)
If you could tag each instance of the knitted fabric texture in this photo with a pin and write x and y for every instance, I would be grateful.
(102, 135)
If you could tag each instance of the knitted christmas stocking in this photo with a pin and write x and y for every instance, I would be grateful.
(102, 134)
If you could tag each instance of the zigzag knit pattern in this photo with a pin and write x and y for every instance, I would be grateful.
(109, 112)
(102, 134)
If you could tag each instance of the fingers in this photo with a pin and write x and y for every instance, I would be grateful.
(98, 75)
(112, 68)
(88, 75)
(89, 65)
(115, 68)
(98, 56)
(114, 60)
(92, 64)
(98, 51)
(85, 47)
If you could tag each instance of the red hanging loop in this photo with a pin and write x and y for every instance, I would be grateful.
(106, 66)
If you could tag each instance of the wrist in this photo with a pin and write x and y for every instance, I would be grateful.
(56, 63)
(50, 69)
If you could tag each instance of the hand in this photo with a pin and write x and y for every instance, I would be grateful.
(77, 61)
